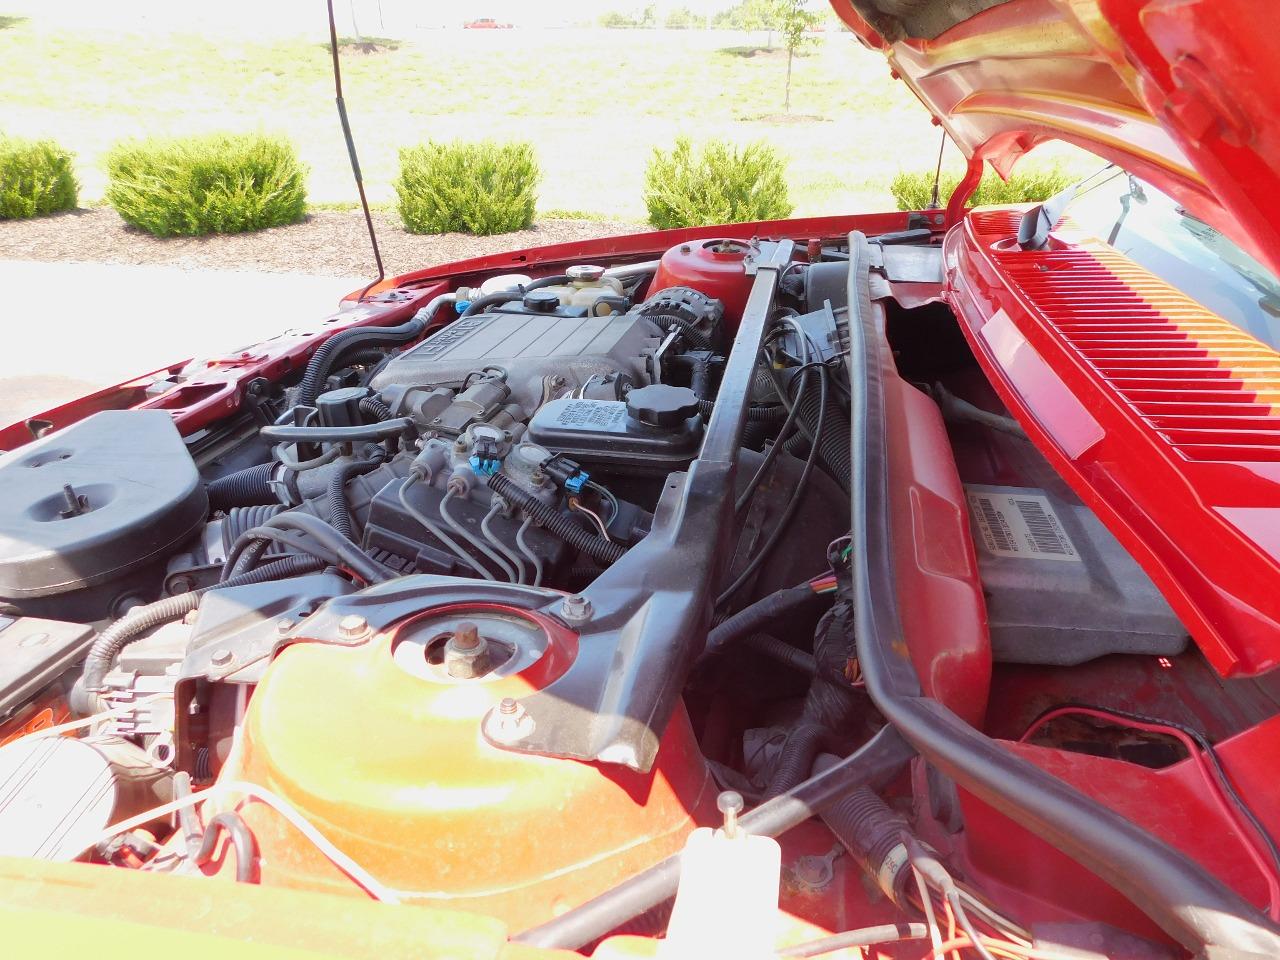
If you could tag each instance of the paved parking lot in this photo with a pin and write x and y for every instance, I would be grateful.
(69, 328)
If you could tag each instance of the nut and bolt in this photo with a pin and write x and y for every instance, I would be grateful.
(576, 609)
(730, 803)
(466, 654)
(221, 657)
(181, 585)
(352, 627)
(508, 722)
(284, 625)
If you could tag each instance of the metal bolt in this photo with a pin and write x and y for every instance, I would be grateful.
(352, 626)
(508, 707)
(730, 803)
(221, 657)
(181, 585)
(283, 626)
(576, 608)
(508, 722)
(466, 636)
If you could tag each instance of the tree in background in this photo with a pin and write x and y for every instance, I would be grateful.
(682, 18)
(795, 20)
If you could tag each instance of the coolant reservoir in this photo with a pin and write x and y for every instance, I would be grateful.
(715, 268)
(587, 285)
(388, 749)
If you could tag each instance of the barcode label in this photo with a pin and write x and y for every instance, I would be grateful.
(1020, 525)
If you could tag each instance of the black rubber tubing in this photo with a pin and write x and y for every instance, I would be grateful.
(317, 532)
(512, 293)
(833, 445)
(804, 742)
(876, 763)
(339, 511)
(597, 548)
(108, 644)
(240, 838)
(366, 432)
(1186, 901)
(249, 487)
(751, 618)
(321, 361)
(756, 413)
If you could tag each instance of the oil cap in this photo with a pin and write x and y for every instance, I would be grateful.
(662, 405)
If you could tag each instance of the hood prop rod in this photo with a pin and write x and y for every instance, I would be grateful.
(351, 152)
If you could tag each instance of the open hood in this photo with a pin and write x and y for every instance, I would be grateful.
(1179, 92)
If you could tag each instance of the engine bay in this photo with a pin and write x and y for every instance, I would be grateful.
(493, 606)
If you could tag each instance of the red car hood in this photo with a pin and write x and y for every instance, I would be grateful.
(1180, 92)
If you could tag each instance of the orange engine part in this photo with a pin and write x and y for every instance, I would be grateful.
(716, 268)
(383, 753)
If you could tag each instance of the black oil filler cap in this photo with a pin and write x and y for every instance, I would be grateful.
(662, 405)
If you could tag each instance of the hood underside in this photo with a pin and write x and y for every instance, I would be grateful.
(1178, 92)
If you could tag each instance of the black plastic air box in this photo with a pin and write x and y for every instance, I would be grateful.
(88, 505)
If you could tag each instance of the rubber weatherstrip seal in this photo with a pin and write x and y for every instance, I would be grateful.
(1179, 895)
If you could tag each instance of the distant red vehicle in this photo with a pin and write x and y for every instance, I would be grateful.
(485, 23)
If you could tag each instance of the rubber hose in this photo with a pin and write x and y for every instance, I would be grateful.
(108, 644)
(324, 357)
(318, 535)
(751, 618)
(782, 652)
(804, 743)
(339, 511)
(597, 548)
(375, 408)
(240, 519)
(364, 357)
(833, 446)
(700, 377)
(511, 293)
(244, 488)
(871, 832)
(365, 432)
(240, 838)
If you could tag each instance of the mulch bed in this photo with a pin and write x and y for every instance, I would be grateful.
(328, 242)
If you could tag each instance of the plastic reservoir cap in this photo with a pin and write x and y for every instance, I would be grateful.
(727, 901)
(662, 405)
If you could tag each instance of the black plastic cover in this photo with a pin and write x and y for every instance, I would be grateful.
(94, 501)
(602, 432)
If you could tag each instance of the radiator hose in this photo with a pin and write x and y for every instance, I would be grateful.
(597, 548)
(108, 644)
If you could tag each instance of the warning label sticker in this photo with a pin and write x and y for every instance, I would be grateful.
(1020, 525)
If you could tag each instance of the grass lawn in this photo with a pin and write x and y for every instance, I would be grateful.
(593, 102)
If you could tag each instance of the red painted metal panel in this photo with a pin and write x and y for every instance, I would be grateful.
(1161, 415)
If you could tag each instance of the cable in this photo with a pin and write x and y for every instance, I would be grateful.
(511, 555)
(1219, 786)
(434, 529)
(471, 538)
(240, 838)
(762, 553)
(357, 873)
(528, 551)
(576, 504)
(606, 495)
(864, 937)
(774, 449)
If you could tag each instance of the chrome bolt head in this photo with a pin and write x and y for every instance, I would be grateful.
(576, 609)
(352, 627)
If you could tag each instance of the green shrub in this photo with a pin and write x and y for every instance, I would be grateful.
(220, 183)
(458, 187)
(914, 190)
(722, 184)
(35, 178)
